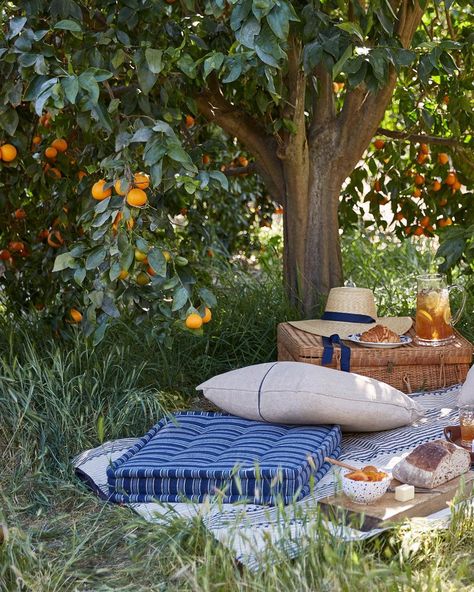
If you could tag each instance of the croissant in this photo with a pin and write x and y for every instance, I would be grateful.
(380, 334)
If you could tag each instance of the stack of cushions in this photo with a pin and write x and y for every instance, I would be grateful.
(195, 455)
(299, 393)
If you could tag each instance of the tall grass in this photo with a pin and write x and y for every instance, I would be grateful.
(58, 398)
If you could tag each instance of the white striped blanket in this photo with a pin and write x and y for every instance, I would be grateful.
(252, 530)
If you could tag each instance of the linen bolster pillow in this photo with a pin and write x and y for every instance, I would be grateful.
(467, 390)
(299, 393)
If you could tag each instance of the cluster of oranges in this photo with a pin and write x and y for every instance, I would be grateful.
(196, 321)
(57, 146)
(240, 161)
(134, 191)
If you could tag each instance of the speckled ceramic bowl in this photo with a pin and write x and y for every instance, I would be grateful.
(364, 492)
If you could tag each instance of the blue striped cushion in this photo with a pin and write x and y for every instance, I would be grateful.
(195, 455)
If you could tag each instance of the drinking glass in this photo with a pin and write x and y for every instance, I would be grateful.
(434, 322)
(466, 419)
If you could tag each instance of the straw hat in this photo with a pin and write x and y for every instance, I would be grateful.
(353, 301)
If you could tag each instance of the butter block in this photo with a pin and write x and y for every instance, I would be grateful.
(404, 493)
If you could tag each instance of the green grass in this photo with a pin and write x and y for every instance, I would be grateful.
(58, 398)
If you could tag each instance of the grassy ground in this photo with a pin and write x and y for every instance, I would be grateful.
(57, 399)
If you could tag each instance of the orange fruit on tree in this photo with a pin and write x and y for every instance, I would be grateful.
(20, 214)
(443, 158)
(416, 192)
(81, 175)
(445, 222)
(419, 230)
(379, 144)
(189, 121)
(55, 240)
(136, 198)
(399, 216)
(141, 180)
(8, 152)
(456, 186)
(116, 222)
(140, 255)
(60, 144)
(436, 186)
(425, 221)
(377, 186)
(419, 179)
(75, 315)
(121, 186)
(450, 179)
(206, 159)
(243, 161)
(98, 192)
(53, 172)
(16, 246)
(5, 254)
(443, 202)
(421, 158)
(429, 229)
(424, 149)
(142, 279)
(207, 315)
(123, 274)
(407, 230)
(194, 321)
(36, 140)
(51, 153)
(150, 271)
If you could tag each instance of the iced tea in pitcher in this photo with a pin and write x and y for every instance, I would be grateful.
(434, 324)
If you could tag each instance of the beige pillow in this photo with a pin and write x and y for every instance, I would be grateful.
(299, 393)
(467, 390)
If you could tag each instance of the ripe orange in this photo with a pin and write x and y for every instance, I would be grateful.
(75, 315)
(379, 144)
(207, 315)
(424, 149)
(123, 275)
(194, 321)
(429, 229)
(53, 172)
(377, 186)
(5, 254)
(419, 230)
(189, 121)
(399, 216)
(55, 240)
(51, 153)
(81, 175)
(436, 186)
(36, 140)
(142, 279)
(8, 152)
(443, 158)
(121, 186)
(16, 246)
(20, 214)
(450, 179)
(45, 120)
(445, 222)
(116, 222)
(416, 192)
(43, 235)
(98, 191)
(140, 255)
(443, 202)
(206, 159)
(243, 161)
(60, 144)
(407, 230)
(279, 211)
(420, 159)
(419, 179)
(136, 198)
(141, 180)
(425, 221)
(457, 186)
(150, 271)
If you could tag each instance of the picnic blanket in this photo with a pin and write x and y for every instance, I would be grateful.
(252, 530)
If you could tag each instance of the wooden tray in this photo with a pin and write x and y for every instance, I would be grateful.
(453, 434)
(388, 510)
(409, 368)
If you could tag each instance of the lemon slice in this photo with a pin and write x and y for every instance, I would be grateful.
(432, 299)
(425, 316)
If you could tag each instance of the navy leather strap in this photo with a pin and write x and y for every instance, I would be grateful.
(347, 317)
(328, 342)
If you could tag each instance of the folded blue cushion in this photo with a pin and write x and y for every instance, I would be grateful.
(194, 455)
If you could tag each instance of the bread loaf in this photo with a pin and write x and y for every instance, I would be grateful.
(432, 464)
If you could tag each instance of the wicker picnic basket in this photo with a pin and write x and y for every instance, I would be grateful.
(409, 368)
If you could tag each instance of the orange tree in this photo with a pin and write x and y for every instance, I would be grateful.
(118, 113)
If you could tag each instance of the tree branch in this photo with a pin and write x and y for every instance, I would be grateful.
(237, 123)
(238, 171)
(419, 138)
(324, 105)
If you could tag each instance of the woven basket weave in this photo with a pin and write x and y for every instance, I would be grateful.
(409, 368)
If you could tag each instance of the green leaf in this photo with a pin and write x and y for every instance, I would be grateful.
(213, 62)
(9, 121)
(99, 333)
(180, 298)
(207, 297)
(146, 78)
(88, 82)
(68, 25)
(127, 257)
(95, 258)
(312, 55)
(187, 65)
(71, 88)
(339, 65)
(352, 29)
(153, 59)
(246, 35)
(119, 58)
(16, 25)
(157, 262)
(219, 176)
(79, 275)
(63, 261)
(279, 21)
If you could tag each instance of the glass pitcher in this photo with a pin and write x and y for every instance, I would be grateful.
(434, 322)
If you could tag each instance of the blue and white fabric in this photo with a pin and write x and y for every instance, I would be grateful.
(256, 533)
(194, 455)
